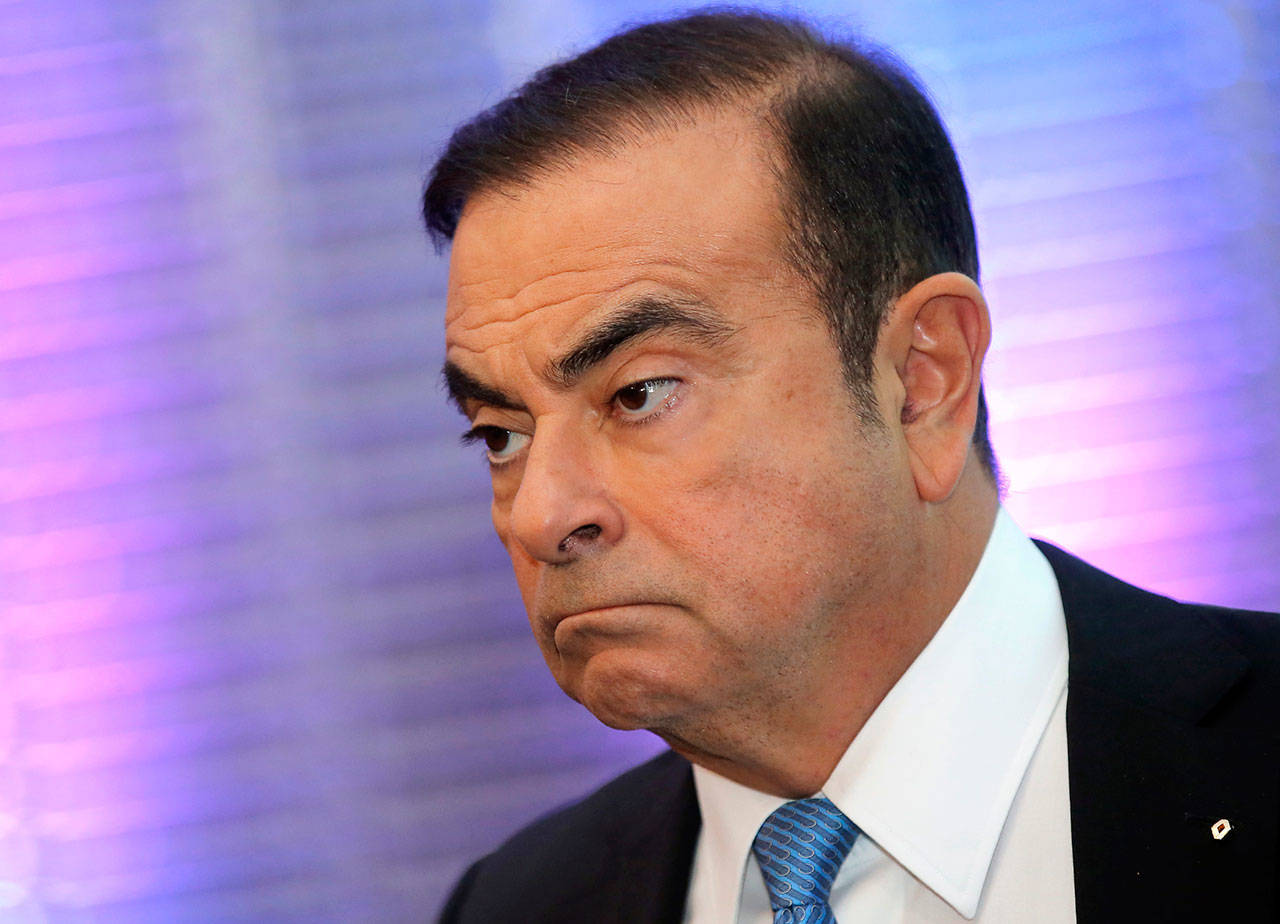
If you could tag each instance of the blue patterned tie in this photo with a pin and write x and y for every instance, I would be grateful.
(800, 847)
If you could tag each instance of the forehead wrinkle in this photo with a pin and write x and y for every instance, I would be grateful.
(499, 309)
(500, 273)
(513, 271)
(457, 320)
(612, 253)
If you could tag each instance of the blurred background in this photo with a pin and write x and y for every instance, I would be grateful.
(261, 659)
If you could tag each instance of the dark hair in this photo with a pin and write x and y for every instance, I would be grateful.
(869, 179)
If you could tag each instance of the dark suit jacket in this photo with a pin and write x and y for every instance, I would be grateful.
(1173, 722)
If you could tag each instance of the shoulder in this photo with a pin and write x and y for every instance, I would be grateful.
(568, 858)
(1175, 656)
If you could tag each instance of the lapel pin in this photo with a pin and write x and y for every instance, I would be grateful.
(1220, 829)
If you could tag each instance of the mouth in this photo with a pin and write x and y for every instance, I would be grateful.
(617, 617)
(597, 609)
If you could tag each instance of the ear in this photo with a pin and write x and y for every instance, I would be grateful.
(936, 338)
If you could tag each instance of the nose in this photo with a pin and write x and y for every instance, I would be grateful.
(564, 507)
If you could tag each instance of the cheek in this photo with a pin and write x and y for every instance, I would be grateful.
(776, 526)
(746, 522)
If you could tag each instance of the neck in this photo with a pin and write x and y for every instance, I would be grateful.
(792, 750)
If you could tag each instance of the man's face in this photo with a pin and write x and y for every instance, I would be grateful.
(700, 525)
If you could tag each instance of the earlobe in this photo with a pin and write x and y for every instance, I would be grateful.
(939, 333)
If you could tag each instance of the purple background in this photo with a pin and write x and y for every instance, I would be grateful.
(261, 659)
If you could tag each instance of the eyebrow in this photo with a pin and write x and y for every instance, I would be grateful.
(464, 387)
(639, 317)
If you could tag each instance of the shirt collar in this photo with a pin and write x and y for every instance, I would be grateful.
(933, 772)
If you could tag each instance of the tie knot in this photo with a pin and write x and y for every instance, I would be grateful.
(800, 847)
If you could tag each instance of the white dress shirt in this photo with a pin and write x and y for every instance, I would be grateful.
(958, 780)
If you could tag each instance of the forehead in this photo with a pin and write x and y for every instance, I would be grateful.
(692, 211)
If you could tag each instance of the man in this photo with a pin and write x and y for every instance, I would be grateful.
(713, 315)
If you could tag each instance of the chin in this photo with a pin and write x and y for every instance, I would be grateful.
(624, 692)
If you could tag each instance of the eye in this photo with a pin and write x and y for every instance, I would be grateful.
(500, 444)
(641, 399)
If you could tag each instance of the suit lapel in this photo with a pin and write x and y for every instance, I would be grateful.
(1151, 770)
(656, 859)
(641, 874)
(1145, 791)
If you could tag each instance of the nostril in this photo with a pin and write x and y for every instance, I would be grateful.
(587, 533)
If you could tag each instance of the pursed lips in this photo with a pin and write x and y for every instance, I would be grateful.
(583, 610)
